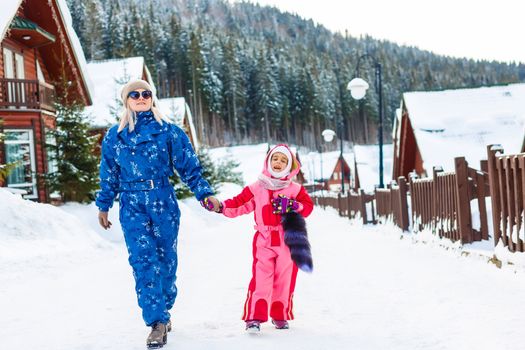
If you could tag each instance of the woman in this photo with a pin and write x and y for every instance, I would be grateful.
(138, 157)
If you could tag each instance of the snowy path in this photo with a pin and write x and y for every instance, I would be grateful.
(370, 290)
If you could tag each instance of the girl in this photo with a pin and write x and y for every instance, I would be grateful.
(273, 273)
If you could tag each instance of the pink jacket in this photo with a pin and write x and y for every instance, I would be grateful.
(257, 198)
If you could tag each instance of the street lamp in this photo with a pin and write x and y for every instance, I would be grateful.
(328, 136)
(358, 87)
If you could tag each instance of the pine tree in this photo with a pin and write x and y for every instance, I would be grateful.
(196, 68)
(132, 32)
(215, 174)
(234, 88)
(212, 84)
(94, 29)
(267, 99)
(77, 9)
(116, 106)
(113, 36)
(192, 45)
(76, 175)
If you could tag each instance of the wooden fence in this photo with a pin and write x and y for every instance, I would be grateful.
(507, 186)
(441, 204)
(391, 203)
(352, 205)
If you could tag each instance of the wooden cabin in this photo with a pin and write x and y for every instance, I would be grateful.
(434, 127)
(334, 181)
(39, 49)
(109, 76)
(178, 111)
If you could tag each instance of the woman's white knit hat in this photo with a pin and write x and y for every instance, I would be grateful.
(134, 85)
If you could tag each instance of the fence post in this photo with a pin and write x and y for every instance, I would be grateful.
(481, 179)
(437, 213)
(463, 197)
(348, 204)
(339, 206)
(372, 200)
(484, 165)
(403, 202)
(362, 198)
(411, 177)
(521, 197)
(494, 190)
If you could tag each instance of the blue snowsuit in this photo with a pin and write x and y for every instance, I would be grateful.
(137, 165)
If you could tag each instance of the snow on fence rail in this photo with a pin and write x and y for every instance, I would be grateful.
(441, 204)
(507, 187)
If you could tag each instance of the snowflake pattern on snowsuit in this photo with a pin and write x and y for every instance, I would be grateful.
(149, 217)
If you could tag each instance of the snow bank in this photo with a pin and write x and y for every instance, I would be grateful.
(250, 159)
(29, 229)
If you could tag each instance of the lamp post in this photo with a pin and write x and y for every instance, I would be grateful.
(328, 136)
(358, 87)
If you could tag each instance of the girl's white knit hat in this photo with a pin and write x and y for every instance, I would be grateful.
(284, 150)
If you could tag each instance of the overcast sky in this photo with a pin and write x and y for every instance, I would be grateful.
(479, 29)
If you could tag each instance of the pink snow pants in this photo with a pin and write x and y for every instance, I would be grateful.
(273, 277)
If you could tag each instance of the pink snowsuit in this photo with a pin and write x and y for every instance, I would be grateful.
(273, 271)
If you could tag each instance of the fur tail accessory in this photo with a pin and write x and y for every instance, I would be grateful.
(296, 238)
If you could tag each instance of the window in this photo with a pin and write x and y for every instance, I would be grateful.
(336, 176)
(51, 143)
(14, 69)
(20, 149)
(39, 73)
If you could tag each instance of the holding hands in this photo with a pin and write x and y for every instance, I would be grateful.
(283, 204)
(212, 204)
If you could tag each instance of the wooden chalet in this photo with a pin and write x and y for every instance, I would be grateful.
(109, 76)
(432, 128)
(39, 49)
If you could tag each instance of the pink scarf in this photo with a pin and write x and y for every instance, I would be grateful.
(270, 183)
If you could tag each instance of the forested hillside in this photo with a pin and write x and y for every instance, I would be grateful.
(253, 73)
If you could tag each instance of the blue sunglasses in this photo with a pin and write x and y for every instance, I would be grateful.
(134, 95)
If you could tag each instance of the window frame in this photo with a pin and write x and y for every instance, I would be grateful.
(32, 154)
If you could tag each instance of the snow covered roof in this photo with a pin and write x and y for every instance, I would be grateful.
(463, 122)
(9, 10)
(367, 157)
(176, 109)
(109, 76)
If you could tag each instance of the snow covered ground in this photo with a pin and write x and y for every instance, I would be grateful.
(66, 284)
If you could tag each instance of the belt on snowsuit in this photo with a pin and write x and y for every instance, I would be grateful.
(266, 228)
(144, 185)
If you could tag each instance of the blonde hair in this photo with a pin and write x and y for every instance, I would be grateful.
(128, 116)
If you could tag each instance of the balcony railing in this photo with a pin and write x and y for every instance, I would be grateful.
(26, 94)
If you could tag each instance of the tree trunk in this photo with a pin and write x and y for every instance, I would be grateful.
(235, 120)
(267, 125)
